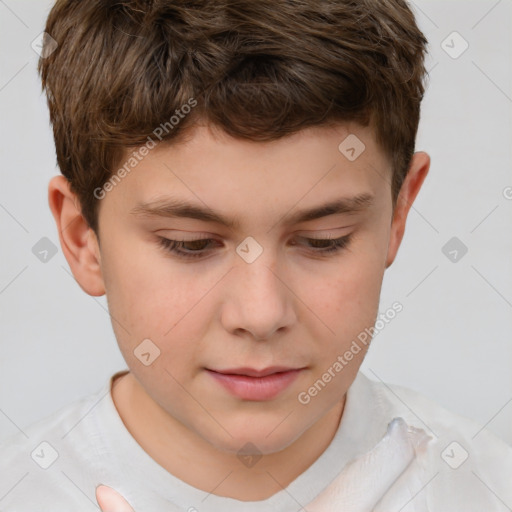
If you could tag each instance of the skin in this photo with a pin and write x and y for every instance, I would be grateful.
(289, 307)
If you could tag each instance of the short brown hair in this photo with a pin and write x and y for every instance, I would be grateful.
(259, 69)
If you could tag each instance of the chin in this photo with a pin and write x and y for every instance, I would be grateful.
(268, 436)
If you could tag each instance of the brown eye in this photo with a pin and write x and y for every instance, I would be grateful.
(186, 248)
(328, 245)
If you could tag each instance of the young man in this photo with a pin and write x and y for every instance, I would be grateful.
(236, 179)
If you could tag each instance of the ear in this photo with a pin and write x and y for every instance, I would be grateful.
(78, 241)
(418, 170)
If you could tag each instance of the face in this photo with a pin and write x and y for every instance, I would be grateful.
(255, 285)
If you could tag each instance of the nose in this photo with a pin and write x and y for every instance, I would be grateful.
(259, 300)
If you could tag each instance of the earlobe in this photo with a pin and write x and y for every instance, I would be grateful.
(78, 241)
(418, 171)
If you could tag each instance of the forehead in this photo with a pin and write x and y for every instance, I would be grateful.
(218, 174)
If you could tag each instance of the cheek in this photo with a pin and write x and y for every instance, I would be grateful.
(154, 297)
(346, 298)
(347, 301)
(150, 290)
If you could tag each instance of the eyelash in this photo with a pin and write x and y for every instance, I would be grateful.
(176, 246)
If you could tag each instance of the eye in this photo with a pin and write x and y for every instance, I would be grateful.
(328, 245)
(177, 246)
(198, 248)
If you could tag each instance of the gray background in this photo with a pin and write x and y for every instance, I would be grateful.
(452, 341)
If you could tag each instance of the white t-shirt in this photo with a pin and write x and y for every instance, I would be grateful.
(58, 464)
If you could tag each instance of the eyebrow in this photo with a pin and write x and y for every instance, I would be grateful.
(178, 208)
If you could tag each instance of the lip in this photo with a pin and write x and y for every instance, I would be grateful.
(252, 372)
(252, 384)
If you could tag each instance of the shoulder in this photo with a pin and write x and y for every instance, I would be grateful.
(48, 465)
(463, 460)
